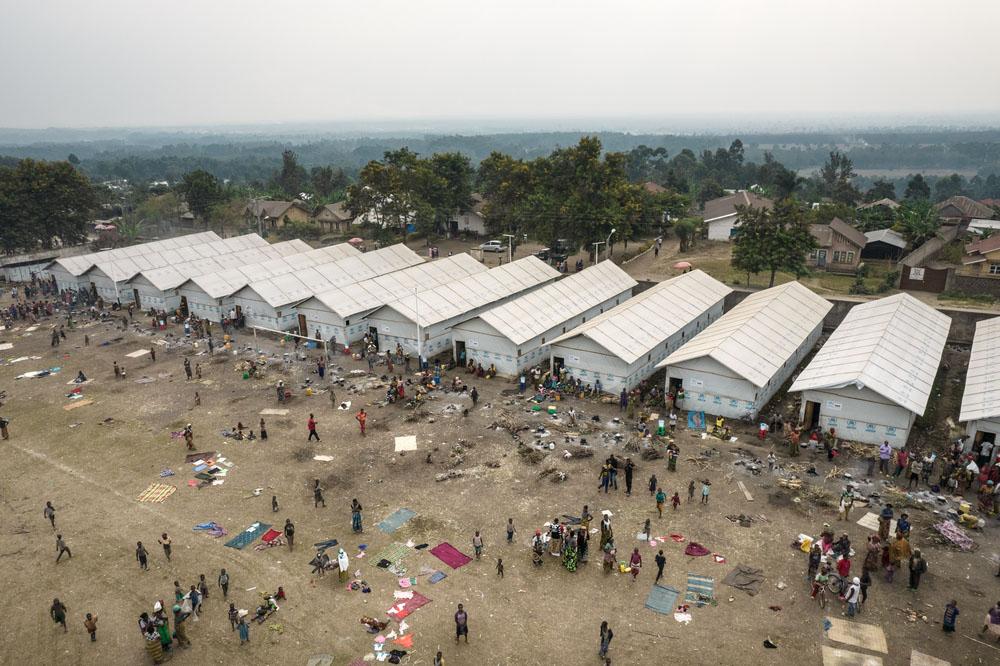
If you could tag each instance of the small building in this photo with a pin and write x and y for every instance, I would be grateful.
(622, 347)
(340, 314)
(470, 221)
(270, 215)
(739, 362)
(874, 375)
(961, 210)
(334, 217)
(981, 399)
(886, 206)
(720, 214)
(422, 323)
(515, 335)
(271, 302)
(839, 247)
(982, 258)
(883, 244)
(209, 296)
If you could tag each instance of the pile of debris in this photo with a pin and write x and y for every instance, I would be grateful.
(529, 454)
(555, 475)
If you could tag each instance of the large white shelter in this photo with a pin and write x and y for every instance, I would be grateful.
(108, 276)
(271, 302)
(516, 334)
(873, 377)
(422, 323)
(157, 287)
(68, 271)
(621, 347)
(209, 296)
(981, 399)
(340, 314)
(735, 365)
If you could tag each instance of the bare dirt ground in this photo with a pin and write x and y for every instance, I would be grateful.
(92, 462)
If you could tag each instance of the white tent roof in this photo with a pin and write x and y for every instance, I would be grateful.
(170, 277)
(80, 264)
(981, 399)
(226, 282)
(543, 309)
(634, 328)
(892, 346)
(457, 298)
(296, 286)
(756, 337)
(375, 292)
(125, 268)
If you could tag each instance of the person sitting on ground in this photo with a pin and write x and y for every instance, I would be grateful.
(80, 378)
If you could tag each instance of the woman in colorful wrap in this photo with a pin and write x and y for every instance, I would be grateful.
(570, 553)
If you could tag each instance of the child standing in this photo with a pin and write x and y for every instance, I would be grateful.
(691, 490)
(676, 500)
(477, 544)
(652, 485)
(500, 567)
(510, 530)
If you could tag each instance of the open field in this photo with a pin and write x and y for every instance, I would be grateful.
(93, 461)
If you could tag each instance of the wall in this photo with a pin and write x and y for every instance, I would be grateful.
(149, 295)
(331, 325)
(861, 415)
(200, 304)
(984, 425)
(722, 228)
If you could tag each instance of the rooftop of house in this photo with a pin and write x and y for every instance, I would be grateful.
(725, 206)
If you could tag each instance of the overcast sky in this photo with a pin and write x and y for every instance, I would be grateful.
(100, 63)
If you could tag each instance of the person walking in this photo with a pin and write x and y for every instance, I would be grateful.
(653, 485)
(500, 567)
(244, 629)
(90, 624)
(676, 500)
(195, 598)
(180, 627)
(635, 563)
(629, 469)
(866, 582)
(152, 353)
(263, 431)
(474, 394)
(362, 419)
(280, 390)
(290, 533)
(4, 432)
(142, 556)
(705, 486)
(660, 562)
(884, 455)
(606, 636)
(661, 497)
(356, 526)
(274, 504)
(318, 495)
(511, 530)
(604, 478)
(950, 617)
(918, 567)
(461, 624)
(691, 490)
(61, 548)
(846, 502)
(118, 371)
(202, 587)
(224, 583)
(234, 616)
(50, 513)
(311, 424)
(187, 368)
(167, 544)
(477, 544)
(58, 613)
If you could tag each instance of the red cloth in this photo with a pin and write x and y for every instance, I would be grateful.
(270, 536)
(696, 550)
(844, 567)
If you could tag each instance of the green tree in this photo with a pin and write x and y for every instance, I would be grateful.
(292, 177)
(201, 190)
(836, 177)
(686, 229)
(227, 214)
(42, 204)
(917, 189)
(326, 181)
(918, 221)
(881, 189)
(949, 186)
(643, 164)
(73, 159)
(775, 240)
(708, 190)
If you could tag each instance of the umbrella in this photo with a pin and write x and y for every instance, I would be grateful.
(681, 265)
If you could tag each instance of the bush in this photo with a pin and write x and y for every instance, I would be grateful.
(889, 282)
(859, 287)
(300, 230)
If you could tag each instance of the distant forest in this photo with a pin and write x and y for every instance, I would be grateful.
(250, 158)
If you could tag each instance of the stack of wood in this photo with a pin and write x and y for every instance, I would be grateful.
(793, 484)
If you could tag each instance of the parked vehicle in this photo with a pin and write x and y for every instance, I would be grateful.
(493, 246)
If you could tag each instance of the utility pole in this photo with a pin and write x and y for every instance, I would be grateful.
(510, 247)
(607, 248)
(597, 250)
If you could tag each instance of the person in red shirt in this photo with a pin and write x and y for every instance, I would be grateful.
(844, 567)
(311, 424)
(362, 417)
(902, 460)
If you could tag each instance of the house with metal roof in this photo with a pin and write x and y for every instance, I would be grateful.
(838, 246)
(68, 271)
(739, 362)
(158, 287)
(516, 334)
(271, 302)
(883, 244)
(721, 217)
(981, 398)
(874, 375)
(340, 314)
(209, 296)
(622, 346)
(422, 323)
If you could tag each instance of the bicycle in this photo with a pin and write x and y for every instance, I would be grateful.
(836, 584)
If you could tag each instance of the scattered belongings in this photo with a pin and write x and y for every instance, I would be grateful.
(437, 577)
(792, 484)
(404, 607)
(700, 590)
(38, 373)
(396, 520)
(745, 578)
(211, 528)
(746, 493)
(695, 549)
(391, 558)
(156, 492)
(870, 521)
(661, 599)
(270, 539)
(248, 536)
(450, 555)
(955, 535)
(921, 659)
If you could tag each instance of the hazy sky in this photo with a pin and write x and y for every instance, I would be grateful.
(135, 63)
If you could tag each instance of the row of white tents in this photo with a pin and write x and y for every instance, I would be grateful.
(869, 381)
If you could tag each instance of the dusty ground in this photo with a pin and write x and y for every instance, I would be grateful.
(92, 473)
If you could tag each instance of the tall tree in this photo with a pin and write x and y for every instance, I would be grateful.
(326, 180)
(918, 221)
(292, 176)
(775, 240)
(949, 186)
(836, 177)
(708, 190)
(42, 204)
(881, 189)
(917, 189)
(201, 190)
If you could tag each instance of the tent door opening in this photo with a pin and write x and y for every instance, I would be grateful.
(460, 353)
(811, 416)
(135, 295)
(558, 362)
(184, 305)
(303, 326)
(373, 335)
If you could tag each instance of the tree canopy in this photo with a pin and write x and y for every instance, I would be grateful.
(43, 204)
(772, 240)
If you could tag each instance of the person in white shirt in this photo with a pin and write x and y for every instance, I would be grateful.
(852, 596)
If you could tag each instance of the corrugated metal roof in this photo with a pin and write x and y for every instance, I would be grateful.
(886, 236)
(375, 292)
(126, 268)
(303, 283)
(457, 298)
(756, 337)
(226, 282)
(547, 307)
(892, 346)
(80, 264)
(634, 328)
(981, 399)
